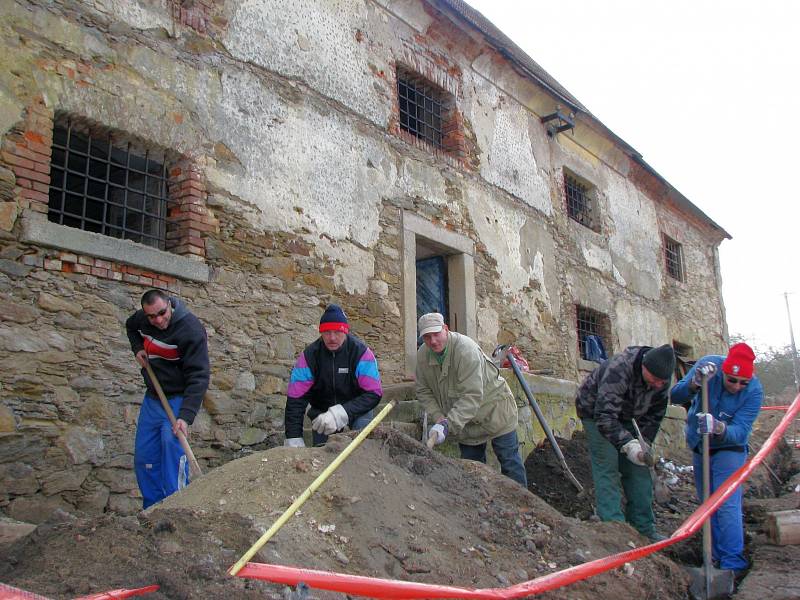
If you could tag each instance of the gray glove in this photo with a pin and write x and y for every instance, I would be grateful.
(294, 443)
(706, 423)
(635, 453)
(706, 369)
(331, 421)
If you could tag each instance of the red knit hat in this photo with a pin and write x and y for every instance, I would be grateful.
(739, 361)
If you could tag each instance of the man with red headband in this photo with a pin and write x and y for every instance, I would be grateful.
(337, 375)
(734, 401)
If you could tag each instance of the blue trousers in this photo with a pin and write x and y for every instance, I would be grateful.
(319, 439)
(727, 528)
(506, 449)
(159, 462)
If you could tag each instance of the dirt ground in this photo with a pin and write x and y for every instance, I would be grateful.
(393, 509)
(774, 568)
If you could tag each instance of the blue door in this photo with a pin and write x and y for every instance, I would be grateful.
(432, 286)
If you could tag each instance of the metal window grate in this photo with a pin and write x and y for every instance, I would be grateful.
(579, 205)
(421, 108)
(591, 322)
(673, 257)
(98, 186)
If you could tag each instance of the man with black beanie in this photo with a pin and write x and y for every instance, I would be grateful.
(630, 385)
(336, 378)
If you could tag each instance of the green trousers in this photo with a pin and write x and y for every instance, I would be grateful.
(609, 468)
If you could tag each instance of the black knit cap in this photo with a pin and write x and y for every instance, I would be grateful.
(660, 361)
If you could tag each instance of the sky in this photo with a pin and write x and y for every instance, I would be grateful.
(708, 92)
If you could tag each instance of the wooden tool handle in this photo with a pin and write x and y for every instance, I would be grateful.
(431, 441)
(194, 466)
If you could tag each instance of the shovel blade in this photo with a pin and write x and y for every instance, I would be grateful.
(721, 584)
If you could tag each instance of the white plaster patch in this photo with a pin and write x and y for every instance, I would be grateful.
(508, 161)
(488, 326)
(499, 228)
(596, 257)
(302, 168)
(353, 268)
(639, 325)
(314, 42)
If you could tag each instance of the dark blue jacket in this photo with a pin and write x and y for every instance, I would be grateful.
(178, 356)
(738, 410)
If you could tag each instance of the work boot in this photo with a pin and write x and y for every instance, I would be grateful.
(656, 537)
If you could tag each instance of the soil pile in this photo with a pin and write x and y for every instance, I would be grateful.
(393, 510)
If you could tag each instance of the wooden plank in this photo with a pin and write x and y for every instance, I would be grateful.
(783, 527)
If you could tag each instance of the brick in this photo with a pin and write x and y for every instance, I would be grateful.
(127, 277)
(86, 260)
(24, 152)
(115, 275)
(97, 272)
(145, 281)
(52, 264)
(79, 268)
(13, 159)
(33, 260)
(102, 264)
(41, 148)
(40, 187)
(68, 257)
(20, 172)
(42, 167)
(34, 195)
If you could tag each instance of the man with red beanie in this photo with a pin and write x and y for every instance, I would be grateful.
(734, 401)
(337, 375)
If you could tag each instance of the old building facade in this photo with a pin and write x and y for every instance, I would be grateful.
(261, 159)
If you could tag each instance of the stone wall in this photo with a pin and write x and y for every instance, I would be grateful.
(290, 178)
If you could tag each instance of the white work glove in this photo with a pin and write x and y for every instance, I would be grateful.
(706, 370)
(635, 453)
(706, 423)
(294, 443)
(524, 415)
(331, 421)
(440, 431)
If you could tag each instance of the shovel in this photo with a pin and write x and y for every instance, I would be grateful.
(194, 466)
(660, 489)
(708, 583)
(542, 421)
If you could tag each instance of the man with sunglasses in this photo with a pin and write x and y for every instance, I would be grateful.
(165, 334)
(734, 401)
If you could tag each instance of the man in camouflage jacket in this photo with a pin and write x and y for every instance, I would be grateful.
(630, 385)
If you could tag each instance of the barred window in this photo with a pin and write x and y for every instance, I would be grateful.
(423, 107)
(592, 323)
(673, 257)
(107, 186)
(581, 205)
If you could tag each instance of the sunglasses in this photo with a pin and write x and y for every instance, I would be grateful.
(736, 380)
(160, 313)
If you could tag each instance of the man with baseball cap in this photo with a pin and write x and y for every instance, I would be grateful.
(734, 401)
(468, 399)
(336, 378)
(630, 385)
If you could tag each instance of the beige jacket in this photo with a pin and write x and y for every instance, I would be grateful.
(467, 389)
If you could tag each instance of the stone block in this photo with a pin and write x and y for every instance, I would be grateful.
(18, 479)
(36, 509)
(54, 304)
(61, 481)
(252, 436)
(11, 530)
(124, 504)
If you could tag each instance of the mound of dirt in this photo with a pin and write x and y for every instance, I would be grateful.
(393, 510)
